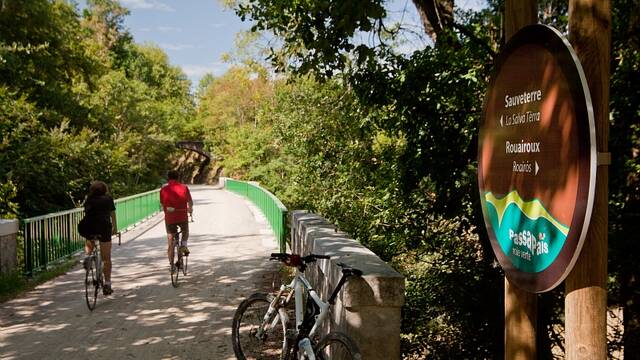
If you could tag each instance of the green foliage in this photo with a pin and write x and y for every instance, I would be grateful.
(80, 101)
(624, 172)
(8, 208)
(388, 152)
(315, 33)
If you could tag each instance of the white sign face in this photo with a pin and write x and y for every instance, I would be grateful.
(537, 158)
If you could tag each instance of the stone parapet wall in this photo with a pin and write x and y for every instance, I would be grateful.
(367, 309)
(8, 245)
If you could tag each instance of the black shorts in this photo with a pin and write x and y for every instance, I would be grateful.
(173, 228)
(104, 237)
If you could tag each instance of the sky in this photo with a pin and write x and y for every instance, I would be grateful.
(193, 33)
(196, 33)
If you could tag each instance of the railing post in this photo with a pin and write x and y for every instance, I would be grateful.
(28, 249)
(43, 245)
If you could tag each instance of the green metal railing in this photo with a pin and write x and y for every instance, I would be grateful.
(51, 237)
(132, 209)
(271, 206)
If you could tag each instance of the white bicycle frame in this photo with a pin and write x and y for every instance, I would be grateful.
(297, 284)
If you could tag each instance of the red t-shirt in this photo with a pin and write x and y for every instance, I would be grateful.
(175, 195)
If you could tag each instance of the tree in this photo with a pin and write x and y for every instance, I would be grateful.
(428, 104)
(79, 100)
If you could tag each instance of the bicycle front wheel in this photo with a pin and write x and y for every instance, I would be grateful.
(252, 336)
(185, 260)
(337, 346)
(91, 284)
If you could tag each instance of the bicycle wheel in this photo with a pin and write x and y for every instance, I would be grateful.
(337, 346)
(91, 284)
(176, 270)
(247, 344)
(185, 260)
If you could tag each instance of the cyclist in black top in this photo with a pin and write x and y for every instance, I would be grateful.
(100, 212)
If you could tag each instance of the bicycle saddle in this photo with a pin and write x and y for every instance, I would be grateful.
(349, 270)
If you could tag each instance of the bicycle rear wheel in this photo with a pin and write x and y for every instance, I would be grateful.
(175, 272)
(247, 344)
(337, 346)
(91, 284)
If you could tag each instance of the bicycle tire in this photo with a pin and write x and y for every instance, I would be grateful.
(246, 321)
(185, 260)
(91, 284)
(336, 345)
(175, 274)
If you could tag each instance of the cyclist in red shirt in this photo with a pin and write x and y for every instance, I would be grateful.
(177, 204)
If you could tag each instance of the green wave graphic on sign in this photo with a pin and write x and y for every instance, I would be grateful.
(527, 233)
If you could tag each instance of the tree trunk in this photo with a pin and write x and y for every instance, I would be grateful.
(436, 16)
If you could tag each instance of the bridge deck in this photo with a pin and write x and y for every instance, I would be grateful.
(146, 318)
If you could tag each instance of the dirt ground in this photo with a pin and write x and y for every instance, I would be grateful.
(146, 318)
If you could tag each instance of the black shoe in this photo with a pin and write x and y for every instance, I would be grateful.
(185, 250)
(107, 290)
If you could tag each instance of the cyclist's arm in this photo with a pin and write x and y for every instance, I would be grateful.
(189, 202)
(114, 223)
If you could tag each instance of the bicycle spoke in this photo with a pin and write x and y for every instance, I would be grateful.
(185, 260)
(91, 285)
(337, 346)
(249, 342)
(176, 272)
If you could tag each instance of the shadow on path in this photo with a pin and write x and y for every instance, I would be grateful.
(146, 318)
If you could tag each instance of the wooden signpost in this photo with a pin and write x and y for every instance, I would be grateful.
(586, 286)
(520, 306)
(538, 161)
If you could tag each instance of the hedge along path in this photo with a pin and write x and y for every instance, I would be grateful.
(146, 318)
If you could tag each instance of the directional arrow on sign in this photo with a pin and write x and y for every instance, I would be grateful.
(537, 167)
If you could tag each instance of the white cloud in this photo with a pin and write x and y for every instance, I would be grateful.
(197, 71)
(147, 5)
(218, 25)
(178, 47)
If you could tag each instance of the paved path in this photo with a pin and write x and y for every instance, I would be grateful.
(146, 318)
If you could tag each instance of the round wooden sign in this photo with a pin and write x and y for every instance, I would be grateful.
(537, 158)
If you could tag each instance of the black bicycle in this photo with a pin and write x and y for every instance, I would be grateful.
(181, 264)
(93, 279)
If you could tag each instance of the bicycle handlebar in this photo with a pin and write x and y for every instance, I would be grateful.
(295, 260)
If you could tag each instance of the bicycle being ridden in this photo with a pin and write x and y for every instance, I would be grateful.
(179, 256)
(94, 268)
(97, 226)
(261, 328)
(177, 204)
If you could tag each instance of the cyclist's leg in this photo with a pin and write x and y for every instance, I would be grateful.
(105, 252)
(88, 247)
(171, 230)
(184, 227)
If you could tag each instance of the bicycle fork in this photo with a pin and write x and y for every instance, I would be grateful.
(274, 313)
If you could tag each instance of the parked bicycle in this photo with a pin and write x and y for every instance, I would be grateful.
(181, 264)
(93, 279)
(261, 328)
